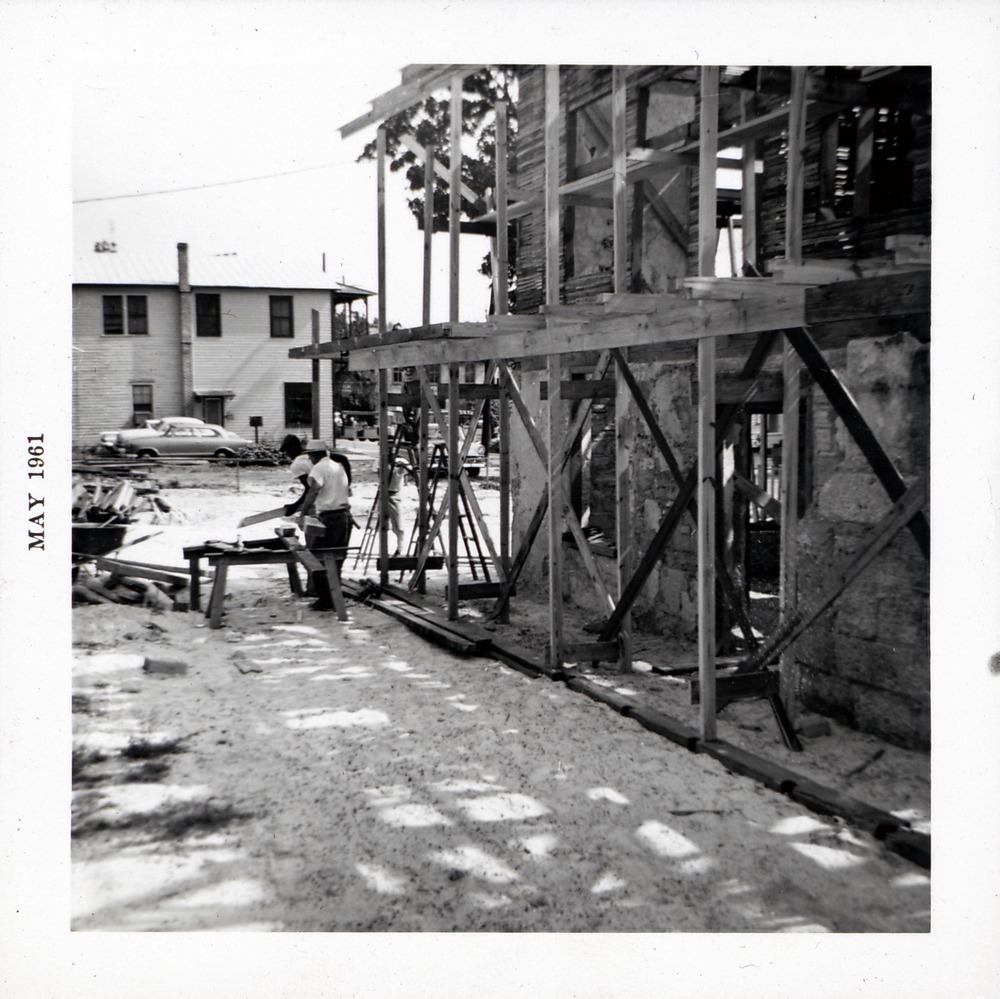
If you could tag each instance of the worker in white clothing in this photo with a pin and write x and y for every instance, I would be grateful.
(327, 497)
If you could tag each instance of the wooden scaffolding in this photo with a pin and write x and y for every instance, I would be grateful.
(750, 318)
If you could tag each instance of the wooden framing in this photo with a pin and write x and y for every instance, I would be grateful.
(711, 317)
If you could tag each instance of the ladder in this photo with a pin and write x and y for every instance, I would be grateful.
(437, 464)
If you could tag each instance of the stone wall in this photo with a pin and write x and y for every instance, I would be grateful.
(867, 658)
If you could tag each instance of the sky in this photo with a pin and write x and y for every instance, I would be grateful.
(257, 92)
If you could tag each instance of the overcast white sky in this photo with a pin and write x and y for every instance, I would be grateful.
(191, 94)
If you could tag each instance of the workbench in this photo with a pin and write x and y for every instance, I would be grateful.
(272, 551)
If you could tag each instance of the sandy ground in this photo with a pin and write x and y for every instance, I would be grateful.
(308, 774)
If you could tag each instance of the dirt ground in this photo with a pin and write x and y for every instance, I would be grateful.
(306, 774)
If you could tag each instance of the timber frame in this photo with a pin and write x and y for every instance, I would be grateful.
(801, 310)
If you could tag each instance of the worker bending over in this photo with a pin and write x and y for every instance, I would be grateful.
(327, 497)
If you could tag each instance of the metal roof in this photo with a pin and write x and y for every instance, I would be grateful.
(229, 270)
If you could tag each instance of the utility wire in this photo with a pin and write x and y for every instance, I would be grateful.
(219, 183)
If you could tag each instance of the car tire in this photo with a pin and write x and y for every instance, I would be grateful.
(147, 453)
(225, 453)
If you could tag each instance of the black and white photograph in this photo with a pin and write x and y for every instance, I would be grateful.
(472, 528)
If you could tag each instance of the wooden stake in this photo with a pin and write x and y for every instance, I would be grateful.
(624, 422)
(454, 470)
(383, 388)
(792, 388)
(502, 265)
(707, 240)
(315, 376)
(455, 192)
(423, 483)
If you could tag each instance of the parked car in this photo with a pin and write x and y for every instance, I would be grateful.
(112, 439)
(205, 441)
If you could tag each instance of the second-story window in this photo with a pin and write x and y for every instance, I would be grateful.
(208, 315)
(138, 317)
(128, 313)
(281, 316)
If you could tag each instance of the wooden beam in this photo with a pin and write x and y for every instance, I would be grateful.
(876, 540)
(315, 376)
(406, 95)
(791, 368)
(383, 384)
(707, 240)
(869, 298)
(847, 409)
(454, 472)
(748, 196)
(683, 320)
(759, 497)
(671, 224)
(864, 153)
(556, 505)
(618, 190)
(454, 194)
(502, 263)
(438, 167)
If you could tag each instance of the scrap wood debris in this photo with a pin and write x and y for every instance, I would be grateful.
(96, 501)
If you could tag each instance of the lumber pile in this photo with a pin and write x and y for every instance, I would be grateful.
(110, 501)
(115, 581)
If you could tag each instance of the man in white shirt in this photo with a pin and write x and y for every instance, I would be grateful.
(327, 496)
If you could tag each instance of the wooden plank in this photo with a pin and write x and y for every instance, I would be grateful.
(747, 764)
(683, 320)
(759, 497)
(605, 695)
(438, 167)
(708, 151)
(454, 471)
(505, 498)
(665, 725)
(809, 609)
(869, 298)
(583, 388)
(333, 581)
(791, 368)
(553, 119)
(502, 262)
(736, 687)
(557, 504)
(618, 191)
(406, 95)
(671, 224)
(847, 409)
(594, 652)
(383, 382)
(748, 195)
(140, 571)
(477, 591)
(454, 195)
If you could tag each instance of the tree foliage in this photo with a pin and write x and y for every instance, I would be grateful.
(429, 122)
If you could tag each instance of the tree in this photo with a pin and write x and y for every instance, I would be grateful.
(429, 122)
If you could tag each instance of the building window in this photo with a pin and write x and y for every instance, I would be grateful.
(142, 404)
(208, 314)
(298, 404)
(397, 376)
(115, 315)
(113, 318)
(281, 316)
(434, 373)
(138, 319)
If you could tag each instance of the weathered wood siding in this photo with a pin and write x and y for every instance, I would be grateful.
(255, 366)
(246, 360)
(105, 367)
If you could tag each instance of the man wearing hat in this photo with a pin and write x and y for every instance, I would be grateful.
(327, 496)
